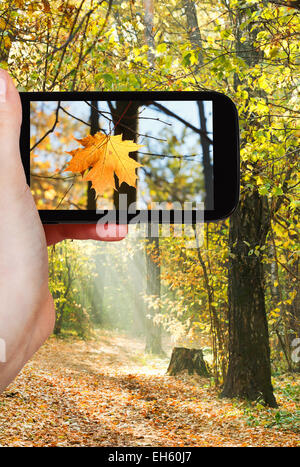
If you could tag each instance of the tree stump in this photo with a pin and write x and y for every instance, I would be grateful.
(187, 359)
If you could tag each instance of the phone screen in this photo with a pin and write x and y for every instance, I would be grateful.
(85, 154)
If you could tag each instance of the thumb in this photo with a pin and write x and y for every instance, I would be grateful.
(11, 173)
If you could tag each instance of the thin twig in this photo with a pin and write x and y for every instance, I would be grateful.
(49, 131)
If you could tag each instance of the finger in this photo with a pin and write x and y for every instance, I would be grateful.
(12, 173)
(109, 232)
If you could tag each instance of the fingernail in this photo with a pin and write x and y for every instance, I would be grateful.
(2, 90)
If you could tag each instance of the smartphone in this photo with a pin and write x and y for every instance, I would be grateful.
(137, 156)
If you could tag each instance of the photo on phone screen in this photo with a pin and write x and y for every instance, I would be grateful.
(84, 154)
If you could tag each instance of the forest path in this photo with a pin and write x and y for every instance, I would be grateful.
(108, 393)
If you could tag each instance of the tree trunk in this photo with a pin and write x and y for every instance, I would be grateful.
(206, 161)
(193, 30)
(216, 331)
(91, 195)
(249, 370)
(58, 322)
(153, 330)
(190, 360)
(294, 313)
(59, 319)
(194, 35)
(97, 288)
(9, 21)
(137, 282)
(149, 30)
(125, 120)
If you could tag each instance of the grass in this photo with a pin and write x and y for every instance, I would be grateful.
(287, 416)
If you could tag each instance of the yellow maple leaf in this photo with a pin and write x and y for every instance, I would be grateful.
(104, 156)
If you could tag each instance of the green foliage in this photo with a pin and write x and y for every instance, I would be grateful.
(71, 275)
(284, 418)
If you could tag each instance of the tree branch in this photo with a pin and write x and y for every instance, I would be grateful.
(189, 125)
(49, 131)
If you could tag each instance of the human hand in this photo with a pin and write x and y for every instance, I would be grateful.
(27, 314)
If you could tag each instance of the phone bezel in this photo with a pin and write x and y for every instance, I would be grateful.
(226, 152)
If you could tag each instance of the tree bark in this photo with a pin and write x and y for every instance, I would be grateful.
(125, 120)
(249, 370)
(216, 331)
(206, 161)
(149, 30)
(153, 330)
(9, 20)
(194, 35)
(137, 283)
(97, 289)
(59, 320)
(91, 195)
(193, 30)
(294, 314)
